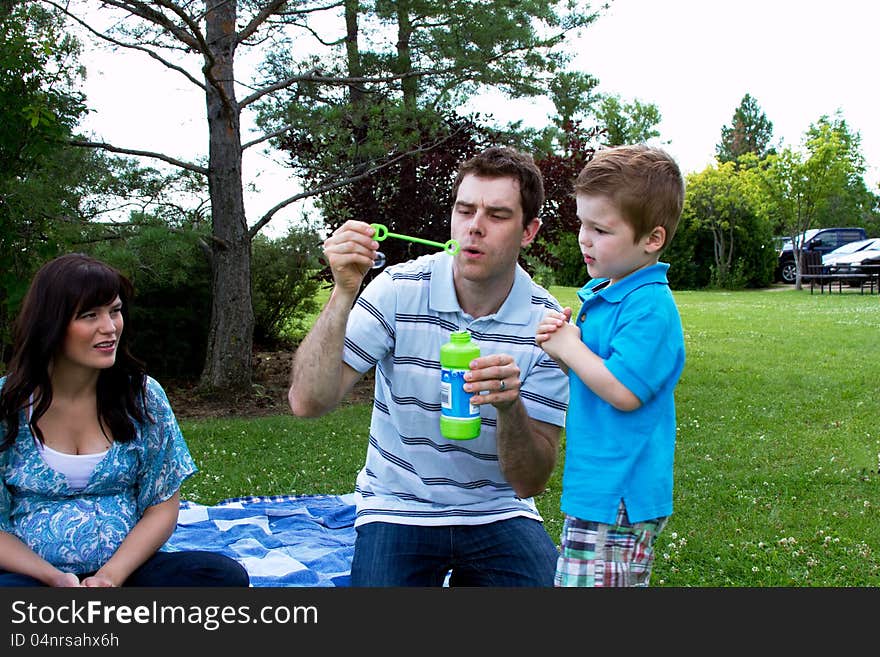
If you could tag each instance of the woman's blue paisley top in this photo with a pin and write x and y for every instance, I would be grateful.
(79, 530)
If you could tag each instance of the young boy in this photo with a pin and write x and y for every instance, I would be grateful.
(624, 354)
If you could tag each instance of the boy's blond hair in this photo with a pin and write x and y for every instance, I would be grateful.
(643, 181)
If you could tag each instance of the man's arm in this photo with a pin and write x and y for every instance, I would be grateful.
(319, 379)
(527, 448)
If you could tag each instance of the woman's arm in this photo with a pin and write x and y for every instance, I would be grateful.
(16, 557)
(145, 538)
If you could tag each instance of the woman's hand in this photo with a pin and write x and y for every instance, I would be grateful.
(65, 580)
(98, 580)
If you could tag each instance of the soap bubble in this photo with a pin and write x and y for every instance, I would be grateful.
(379, 262)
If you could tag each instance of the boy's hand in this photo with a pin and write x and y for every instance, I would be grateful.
(552, 321)
(556, 334)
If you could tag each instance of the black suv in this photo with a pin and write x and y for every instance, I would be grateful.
(820, 240)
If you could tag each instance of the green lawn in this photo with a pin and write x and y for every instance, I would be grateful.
(778, 445)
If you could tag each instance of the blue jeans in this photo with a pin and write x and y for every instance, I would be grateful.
(189, 568)
(514, 552)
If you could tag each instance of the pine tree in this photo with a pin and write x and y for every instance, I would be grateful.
(750, 131)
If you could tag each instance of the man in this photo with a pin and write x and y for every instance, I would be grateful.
(427, 505)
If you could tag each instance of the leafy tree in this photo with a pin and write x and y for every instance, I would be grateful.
(422, 207)
(798, 188)
(556, 244)
(627, 123)
(438, 61)
(284, 282)
(573, 95)
(171, 277)
(433, 46)
(561, 151)
(714, 196)
(50, 191)
(850, 203)
(717, 204)
(164, 257)
(40, 179)
(617, 121)
(689, 255)
(199, 42)
(750, 131)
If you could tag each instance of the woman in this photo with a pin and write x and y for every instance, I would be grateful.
(91, 455)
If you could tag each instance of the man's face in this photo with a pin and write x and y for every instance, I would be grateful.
(487, 221)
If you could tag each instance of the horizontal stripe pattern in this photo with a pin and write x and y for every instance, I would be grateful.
(412, 473)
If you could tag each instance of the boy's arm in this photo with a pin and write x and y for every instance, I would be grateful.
(565, 346)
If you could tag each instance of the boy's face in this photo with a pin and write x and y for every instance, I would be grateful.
(608, 242)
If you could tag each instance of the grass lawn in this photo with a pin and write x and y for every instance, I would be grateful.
(776, 475)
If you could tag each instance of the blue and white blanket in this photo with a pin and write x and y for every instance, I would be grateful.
(281, 540)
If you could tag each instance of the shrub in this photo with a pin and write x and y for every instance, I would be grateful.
(285, 279)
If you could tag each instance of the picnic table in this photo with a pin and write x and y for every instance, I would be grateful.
(813, 271)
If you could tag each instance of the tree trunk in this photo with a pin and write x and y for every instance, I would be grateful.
(228, 362)
(410, 89)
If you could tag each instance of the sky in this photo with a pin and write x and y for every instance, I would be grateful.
(693, 59)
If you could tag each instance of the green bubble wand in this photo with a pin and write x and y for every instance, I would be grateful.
(382, 233)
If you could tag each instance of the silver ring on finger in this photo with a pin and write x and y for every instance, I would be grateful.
(502, 387)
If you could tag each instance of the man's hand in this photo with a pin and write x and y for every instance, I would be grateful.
(493, 380)
(350, 252)
(527, 448)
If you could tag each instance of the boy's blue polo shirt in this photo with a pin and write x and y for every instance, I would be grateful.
(634, 326)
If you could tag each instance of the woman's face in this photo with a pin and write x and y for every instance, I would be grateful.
(93, 336)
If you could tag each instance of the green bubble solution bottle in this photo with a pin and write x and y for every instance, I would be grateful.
(459, 419)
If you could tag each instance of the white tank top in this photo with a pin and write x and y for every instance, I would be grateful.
(78, 468)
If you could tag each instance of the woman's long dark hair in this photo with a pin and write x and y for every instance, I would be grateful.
(60, 289)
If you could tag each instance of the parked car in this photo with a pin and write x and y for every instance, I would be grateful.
(821, 240)
(848, 249)
(844, 253)
(854, 265)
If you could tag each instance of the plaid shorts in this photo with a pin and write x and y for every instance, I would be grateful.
(596, 554)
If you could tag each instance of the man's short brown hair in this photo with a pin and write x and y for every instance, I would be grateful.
(504, 162)
(644, 182)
